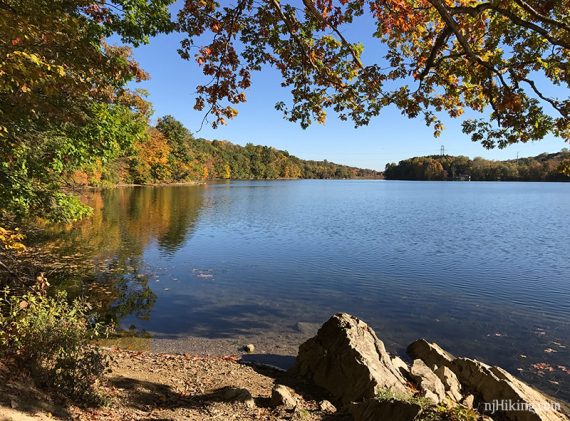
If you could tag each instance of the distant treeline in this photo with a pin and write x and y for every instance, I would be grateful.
(170, 153)
(544, 167)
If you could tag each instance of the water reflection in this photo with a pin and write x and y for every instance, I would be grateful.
(105, 253)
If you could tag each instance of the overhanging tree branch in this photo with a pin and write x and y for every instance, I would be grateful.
(475, 10)
(454, 27)
(440, 41)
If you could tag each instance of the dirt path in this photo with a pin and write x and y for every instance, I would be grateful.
(148, 386)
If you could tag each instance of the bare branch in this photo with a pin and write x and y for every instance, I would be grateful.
(555, 104)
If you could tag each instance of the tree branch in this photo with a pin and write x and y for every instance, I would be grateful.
(441, 39)
(475, 10)
(452, 24)
(555, 104)
(311, 8)
(533, 12)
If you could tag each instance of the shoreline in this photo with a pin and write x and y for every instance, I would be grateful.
(79, 189)
(149, 384)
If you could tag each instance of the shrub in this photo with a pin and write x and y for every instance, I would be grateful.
(430, 411)
(49, 336)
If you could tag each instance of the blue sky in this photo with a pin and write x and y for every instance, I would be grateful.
(389, 138)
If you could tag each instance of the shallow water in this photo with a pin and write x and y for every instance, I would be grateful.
(481, 268)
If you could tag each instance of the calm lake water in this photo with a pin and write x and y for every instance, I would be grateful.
(481, 268)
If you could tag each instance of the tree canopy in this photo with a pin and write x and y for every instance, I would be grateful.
(544, 167)
(170, 153)
(64, 99)
(503, 59)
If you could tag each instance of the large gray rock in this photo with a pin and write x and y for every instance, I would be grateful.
(347, 359)
(380, 409)
(429, 384)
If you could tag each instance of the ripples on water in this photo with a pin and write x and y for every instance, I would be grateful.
(481, 268)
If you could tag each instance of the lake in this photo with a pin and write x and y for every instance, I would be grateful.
(481, 268)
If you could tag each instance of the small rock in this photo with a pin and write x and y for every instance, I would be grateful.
(326, 406)
(237, 394)
(468, 401)
(428, 394)
(430, 385)
(249, 348)
(283, 396)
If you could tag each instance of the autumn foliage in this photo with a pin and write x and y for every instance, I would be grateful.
(544, 167)
(505, 61)
(65, 104)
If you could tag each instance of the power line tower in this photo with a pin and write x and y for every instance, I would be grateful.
(442, 150)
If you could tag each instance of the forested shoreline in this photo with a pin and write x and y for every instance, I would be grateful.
(543, 167)
(171, 154)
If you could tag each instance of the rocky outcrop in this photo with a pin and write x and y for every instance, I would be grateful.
(496, 386)
(430, 353)
(347, 359)
(493, 388)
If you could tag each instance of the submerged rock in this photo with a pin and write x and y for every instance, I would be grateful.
(347, 359)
